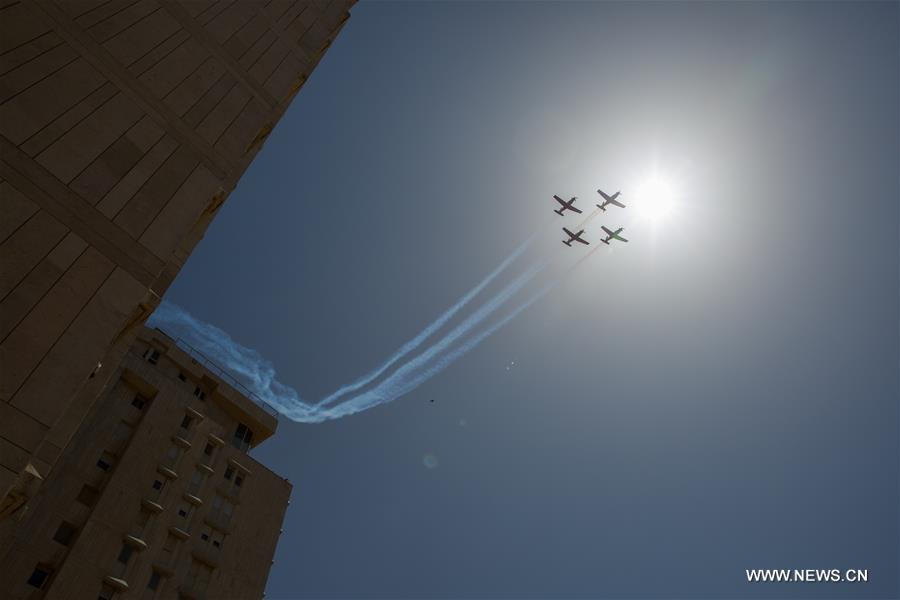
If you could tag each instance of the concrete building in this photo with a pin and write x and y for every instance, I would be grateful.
(156, 496)
(124, 126)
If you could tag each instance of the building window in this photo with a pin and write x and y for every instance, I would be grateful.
(152, 356)
(199, 393)
(40, 575)
(106, 461)
(139, 402)
(186, 422)
(65, 533)
(242, 437)
(238, 481)
(88, 495)
(196, 483)
(107, 592)
(208, 450)
(229, 473)
(125, 554)
(172, 456)
(155, 578)
(181, 376)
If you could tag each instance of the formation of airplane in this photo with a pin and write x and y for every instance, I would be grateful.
(609, 200)
(570, 205)
(576, 237)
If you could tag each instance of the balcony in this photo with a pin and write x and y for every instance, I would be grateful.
(192, 590)
(207, 553)
(219, 520)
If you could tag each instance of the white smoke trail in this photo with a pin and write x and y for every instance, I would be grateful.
(430, 330)
(397, 384)
(259, 375)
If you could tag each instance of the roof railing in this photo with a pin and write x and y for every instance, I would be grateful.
(226, 376)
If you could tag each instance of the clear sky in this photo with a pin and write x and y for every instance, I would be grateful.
(719, 394)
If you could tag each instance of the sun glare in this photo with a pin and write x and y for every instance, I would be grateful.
(655, 197)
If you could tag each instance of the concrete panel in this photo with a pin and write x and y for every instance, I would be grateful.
(139, 212)
(28, 51)
(28, 345)
(20, 24)
(66, 121)
(121, 20)
(20, 429)
(101, 175)
(74, 151)
(30, 111)
(129, 185)
(15, 208)
(218, 120)
(140, 38)
(19, 302)
(187, 93)
(76, 353)
(29, 73)
(172, 70)
(181, 212)
(25, 248)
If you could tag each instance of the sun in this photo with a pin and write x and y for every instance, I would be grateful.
(655, 197)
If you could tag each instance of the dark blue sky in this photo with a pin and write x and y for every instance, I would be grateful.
(718, 395)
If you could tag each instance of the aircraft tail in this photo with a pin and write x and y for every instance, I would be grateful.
(600, 207)
(559, 212)
(567, 243)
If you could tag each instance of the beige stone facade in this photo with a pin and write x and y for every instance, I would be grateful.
(124, 125)
(156, 496)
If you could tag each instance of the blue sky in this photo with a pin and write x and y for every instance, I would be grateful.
(719, 394)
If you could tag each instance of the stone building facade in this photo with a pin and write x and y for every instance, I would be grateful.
(156, 496)
(124, 126)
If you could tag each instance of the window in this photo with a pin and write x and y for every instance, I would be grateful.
(238, 481)
(229, 473)
(155, 578)
(196, 483)
(139, 402)
(107, 592)
(172, 456)
(152, 356)
(140, 526)
(208, 450)
(204, 537)
(157, 484)
(181, 376)
(88, 495)
(65, 533)
(199, 393)
(106, 461)
(125, 554)
(40, 575)
(186, 422)
(217, 539)
(243, 436)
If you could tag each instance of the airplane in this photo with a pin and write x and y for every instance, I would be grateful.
(574, 237)
(613, 235)
(609, 200)
(566, 205)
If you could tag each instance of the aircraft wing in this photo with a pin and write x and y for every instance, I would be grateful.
(605, 197)
(617, 203)
(572, 235)
(560, 200)
(608, 232)
(578, 210)
(578, 239)
(621, 239)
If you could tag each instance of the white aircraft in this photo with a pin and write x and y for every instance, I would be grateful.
(566, 205)
(574, 237)
(609, 200)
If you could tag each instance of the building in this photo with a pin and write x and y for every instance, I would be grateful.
(124, 126)
(156, 496)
